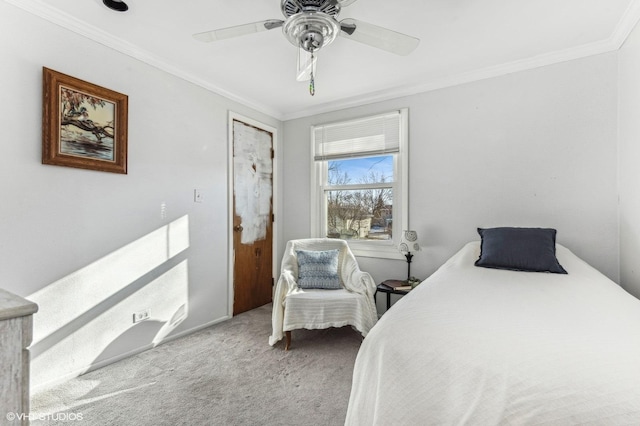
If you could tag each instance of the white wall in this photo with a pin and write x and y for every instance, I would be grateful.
(535, 148)
(91, 247)
(629, 146)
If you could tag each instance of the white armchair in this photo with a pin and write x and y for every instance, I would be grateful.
(312, 308)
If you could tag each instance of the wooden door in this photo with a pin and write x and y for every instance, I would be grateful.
(252, 216)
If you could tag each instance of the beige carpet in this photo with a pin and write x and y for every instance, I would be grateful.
(226, 374)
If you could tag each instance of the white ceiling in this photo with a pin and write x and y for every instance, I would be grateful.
(461, 40)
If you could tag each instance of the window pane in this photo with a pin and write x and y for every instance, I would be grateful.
(364, 214)
(377, 169)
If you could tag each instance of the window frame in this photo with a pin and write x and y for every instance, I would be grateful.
(386, 249)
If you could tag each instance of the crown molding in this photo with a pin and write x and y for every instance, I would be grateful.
(615, 41)
(626, 24)
(622, 31)
(51, 14)
(462, 78)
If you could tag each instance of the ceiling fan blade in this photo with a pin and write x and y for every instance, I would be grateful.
(344, 3)
(382, 38)
(238, 30)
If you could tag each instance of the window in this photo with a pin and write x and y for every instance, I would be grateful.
(359, 182)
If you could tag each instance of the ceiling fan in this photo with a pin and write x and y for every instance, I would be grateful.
(313, 24)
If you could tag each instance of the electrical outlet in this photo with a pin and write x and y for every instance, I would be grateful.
(141, 316)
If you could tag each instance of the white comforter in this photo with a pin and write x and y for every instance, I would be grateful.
(476, 346)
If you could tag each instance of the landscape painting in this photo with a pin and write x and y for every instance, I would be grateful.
(84, 125)
(87, 125)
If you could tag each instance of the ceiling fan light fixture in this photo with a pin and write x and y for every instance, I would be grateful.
(117, 5)
(311, 30)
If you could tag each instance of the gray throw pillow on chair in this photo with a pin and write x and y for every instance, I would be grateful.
(318, 269)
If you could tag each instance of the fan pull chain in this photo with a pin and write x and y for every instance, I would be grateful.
(312, 82)
(312, 86)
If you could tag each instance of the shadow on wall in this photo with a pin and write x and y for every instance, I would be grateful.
(86, 319)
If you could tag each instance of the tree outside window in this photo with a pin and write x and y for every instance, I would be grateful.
(359, 198)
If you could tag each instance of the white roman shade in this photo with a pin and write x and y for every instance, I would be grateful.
(374, 135)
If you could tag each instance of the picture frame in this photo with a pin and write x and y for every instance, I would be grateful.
(83, 125)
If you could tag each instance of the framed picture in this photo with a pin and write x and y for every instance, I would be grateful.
(83, 125)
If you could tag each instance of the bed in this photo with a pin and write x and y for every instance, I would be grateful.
(485, 346)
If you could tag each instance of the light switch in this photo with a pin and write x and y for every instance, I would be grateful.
(197, 196)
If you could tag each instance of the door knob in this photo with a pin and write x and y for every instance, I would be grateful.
(238, 228)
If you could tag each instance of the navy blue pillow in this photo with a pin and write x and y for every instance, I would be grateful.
(519, 249)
